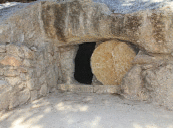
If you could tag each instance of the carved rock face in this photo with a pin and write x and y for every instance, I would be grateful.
(76, 22)
(111, 61)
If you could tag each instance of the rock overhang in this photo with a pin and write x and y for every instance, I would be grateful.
(76, 22)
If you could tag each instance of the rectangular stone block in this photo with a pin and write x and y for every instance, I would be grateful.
(76, 88)
(106, 88)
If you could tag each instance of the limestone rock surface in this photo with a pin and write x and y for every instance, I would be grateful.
(160, 83)
(5, 90)
(11, 61)
(111, 61)
(75, 22)
(150, 82)
(24, 72)
(37, 49)
(132, 85)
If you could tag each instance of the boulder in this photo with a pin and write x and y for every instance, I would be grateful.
(150, 82)
(132, 85)
(75, 22)
(158, 81)
(111, 61)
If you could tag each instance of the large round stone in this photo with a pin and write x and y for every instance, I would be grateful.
(111, 61)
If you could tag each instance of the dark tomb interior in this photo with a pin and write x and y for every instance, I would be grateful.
(83, 73)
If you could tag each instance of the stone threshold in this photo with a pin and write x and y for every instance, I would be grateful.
(89, 88)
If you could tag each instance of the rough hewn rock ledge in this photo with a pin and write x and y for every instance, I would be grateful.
(89, 88)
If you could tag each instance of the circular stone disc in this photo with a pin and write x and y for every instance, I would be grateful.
(111, 60)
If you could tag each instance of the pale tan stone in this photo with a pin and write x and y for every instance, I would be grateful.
(30, 74)
(22, 69)
(2, 49)
(39, 70)
(42, 79)
(21, 86)
(26, 63)
(1, 71)
(22, 76)
(28, 53)
(10, 60)
(11, 73)
(19, 98)
(13, 80)
(131, 86)
(4, 100)
(43, 90)
(67, 56)
(106, 89)
(4, 86)
(5, 90)
(144, 59)
(31, 84)
(14, 50)
(149, 29)
(76, 88)
(24, 96)
(34, 95)
(2, 55)
(111, 61)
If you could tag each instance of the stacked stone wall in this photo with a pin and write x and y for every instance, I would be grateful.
(26, 74)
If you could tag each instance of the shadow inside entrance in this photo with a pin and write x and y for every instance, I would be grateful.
(83, 73)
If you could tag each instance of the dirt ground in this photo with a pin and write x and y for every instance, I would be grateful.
(86, 110)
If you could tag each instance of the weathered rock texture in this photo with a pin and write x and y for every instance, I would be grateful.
(76, 22)
(66, 62)
(37, 52)
(26, 74)
(151, 80)
(111, 61)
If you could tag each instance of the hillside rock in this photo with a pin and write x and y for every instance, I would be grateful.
(150, 82)
(75, 22)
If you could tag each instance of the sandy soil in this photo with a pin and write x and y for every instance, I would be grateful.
(86, 110)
